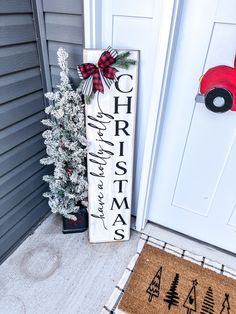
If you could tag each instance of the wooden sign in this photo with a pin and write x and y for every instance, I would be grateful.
(110, 127)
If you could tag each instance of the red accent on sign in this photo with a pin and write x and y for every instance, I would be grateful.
(74, 222)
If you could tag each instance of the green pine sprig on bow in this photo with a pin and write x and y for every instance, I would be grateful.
(123, 61)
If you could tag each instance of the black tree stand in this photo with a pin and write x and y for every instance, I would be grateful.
(80, 225)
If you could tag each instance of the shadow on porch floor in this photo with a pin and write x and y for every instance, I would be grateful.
(55, 273)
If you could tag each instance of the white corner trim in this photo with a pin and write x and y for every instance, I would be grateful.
(92, 23)
(171, 14)
(37, 7)
(88, 22)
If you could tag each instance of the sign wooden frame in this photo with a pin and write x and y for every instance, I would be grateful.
(110, 127)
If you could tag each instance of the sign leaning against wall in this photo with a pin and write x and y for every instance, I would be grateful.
(110, 87)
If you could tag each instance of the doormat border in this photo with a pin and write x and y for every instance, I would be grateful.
(112, 304)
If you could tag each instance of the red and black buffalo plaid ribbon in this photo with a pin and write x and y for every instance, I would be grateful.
(94, 75)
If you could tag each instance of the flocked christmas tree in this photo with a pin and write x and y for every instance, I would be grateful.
(65, 141)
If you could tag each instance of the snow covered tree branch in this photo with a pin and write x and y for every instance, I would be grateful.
(66, 144)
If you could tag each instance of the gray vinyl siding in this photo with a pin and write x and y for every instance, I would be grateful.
(21, 109)
(26, 67)
(64, 28)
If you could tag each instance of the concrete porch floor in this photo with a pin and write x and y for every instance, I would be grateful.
(55, 273)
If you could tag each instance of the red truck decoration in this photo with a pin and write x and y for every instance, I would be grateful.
(218, 88)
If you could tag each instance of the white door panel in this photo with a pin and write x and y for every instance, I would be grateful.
(193, 183)
(133, 8)
(134, 24)
(226, 12)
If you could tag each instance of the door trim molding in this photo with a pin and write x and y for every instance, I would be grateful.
(92, 23)
(170, 20)
(39, 26)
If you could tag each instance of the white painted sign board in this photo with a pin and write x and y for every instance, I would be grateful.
(110, 127)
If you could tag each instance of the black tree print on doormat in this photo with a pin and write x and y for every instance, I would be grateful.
(172, 296)
(154, 288)
(225, 305)
(208, 302)
(191, 303)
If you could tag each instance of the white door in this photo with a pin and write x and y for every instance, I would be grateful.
(194, 180)
(135, 24)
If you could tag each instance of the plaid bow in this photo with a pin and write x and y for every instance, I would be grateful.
(94, 75)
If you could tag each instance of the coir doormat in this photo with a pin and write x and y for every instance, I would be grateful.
(163, 283)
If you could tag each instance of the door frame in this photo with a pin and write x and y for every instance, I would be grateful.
(166, 43)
